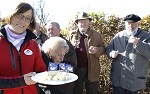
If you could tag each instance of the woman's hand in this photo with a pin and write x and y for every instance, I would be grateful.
(27, 78)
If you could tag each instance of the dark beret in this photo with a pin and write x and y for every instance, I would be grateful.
(132, 18)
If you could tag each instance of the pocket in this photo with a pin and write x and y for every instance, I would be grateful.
(142, 77)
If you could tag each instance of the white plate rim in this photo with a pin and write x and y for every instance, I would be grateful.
(74, 77)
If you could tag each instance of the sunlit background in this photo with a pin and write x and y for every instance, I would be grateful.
(64, 10)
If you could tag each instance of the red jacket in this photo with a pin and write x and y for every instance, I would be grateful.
(14, 64)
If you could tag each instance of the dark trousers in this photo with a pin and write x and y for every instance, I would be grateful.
(58, 90)
(119, 90)
(90, 87)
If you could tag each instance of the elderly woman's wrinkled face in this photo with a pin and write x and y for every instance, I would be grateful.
(59, 55)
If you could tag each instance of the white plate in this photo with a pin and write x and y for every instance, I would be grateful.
(41, 78)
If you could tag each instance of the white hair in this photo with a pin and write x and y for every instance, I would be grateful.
(53, 45)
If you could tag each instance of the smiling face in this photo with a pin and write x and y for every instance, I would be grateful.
(20, 22)
(21, 18)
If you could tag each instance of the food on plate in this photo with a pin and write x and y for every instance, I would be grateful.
(55, 76)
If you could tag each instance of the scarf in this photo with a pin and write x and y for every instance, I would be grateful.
(15, 39)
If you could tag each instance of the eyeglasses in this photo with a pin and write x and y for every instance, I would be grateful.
(27, 19)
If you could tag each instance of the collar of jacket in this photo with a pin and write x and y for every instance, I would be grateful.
(29, 35)
(138, 32)
(61, 36)
(88, 33)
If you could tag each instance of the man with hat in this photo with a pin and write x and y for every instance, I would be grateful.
(130, 54)
(89, 46)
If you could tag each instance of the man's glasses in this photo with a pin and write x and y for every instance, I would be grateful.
(27, 19)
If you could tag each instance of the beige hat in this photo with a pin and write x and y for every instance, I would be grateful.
(82, 16)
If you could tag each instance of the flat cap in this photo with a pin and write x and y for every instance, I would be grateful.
(132, 18)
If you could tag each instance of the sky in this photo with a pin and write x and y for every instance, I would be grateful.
(62, 11)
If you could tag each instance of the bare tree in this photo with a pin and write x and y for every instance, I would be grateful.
(42, 16)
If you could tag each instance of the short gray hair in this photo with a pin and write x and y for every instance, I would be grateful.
(53, 45)
(57, 24)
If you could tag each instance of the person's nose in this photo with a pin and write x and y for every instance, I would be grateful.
(62, 58)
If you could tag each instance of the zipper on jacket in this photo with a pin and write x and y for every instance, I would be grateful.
(20, 66)
(12, 58)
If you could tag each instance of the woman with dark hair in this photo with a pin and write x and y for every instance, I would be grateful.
(20, 55)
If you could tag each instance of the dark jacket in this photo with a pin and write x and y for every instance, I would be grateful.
(70, 57)
(130, 68)
(41, 38)
(14, 64)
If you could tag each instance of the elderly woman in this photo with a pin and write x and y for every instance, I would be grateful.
(54, 50)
